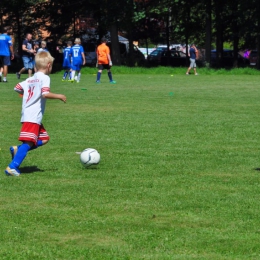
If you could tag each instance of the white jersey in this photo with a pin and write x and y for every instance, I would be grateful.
(33, 90)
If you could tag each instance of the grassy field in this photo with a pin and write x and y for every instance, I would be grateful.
(178, 177)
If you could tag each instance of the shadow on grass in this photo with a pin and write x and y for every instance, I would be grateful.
(257, 169)
(30, 169)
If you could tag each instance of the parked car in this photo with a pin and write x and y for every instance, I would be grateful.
(253, 58)
(173, 58)
(154, 58)
(228, 59)
(90, 53)
(137, 56)
(171, 47)
(162, 48)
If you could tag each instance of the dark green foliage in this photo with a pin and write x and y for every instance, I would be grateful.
(208, 23)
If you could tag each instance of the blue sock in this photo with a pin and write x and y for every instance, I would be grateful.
(98, 76)
(110, 75)
(20, 155)
(39, 143)
(65, 74)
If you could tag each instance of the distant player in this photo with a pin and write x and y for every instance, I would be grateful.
(104, 61)
(193, 53)
(78, 60)
(6, 52)
(28, 54)
(35, 90)
(67, 61)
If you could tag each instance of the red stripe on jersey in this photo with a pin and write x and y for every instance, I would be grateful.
(45, 89)
(18, 87)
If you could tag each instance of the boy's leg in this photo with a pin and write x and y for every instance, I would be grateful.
(109, 73)
(13, 150)
(25, 67)
(18, 74)
(99, 73)
(13, 168)
(99, 76)
(73, 75)
(78, 78)
(19, 152)
(40, 142)
(29, 73)
(76, 75)
(65, 75)
(43, 138)
(30, 66)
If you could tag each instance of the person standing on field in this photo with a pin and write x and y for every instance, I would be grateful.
(35, 91)
(104, 61)
(78, 60)
(67, 61)
(6, 51)
(193, 54)
(27, 55)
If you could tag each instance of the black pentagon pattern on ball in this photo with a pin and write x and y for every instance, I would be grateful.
(89, 157)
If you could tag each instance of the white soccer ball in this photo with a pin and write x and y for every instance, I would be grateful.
(89, 157)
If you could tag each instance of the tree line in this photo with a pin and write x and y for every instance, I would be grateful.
(208, 23)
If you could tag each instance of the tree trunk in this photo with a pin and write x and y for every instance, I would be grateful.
(19, 32)
(219, 32)
(258, 36)
(130, 34)
(235, 31)
(115, 49)
(208, 31)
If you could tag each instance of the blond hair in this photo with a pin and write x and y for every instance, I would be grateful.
(42, 59)
(43, 43)
(77, 41)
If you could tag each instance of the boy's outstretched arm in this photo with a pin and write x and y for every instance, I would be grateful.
(18, 89)
(55, 96)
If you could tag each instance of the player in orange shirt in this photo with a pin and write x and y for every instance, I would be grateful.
(104, 61)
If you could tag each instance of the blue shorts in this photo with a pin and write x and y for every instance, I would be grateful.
(5, 60)
(76, 67)
(77, 64)
(28, 62)
(66, 64)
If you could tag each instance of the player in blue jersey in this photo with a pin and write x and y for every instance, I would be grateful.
(78, 59)
(67, 61)
(6, 51)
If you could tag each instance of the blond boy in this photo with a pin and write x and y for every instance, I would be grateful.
(78, 60)
(35, 90)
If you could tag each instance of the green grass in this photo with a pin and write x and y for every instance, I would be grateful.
(178, 175)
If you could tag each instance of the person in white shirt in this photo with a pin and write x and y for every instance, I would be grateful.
(35, 91)
(43, 46)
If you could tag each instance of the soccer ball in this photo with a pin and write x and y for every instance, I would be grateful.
(89, 157)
